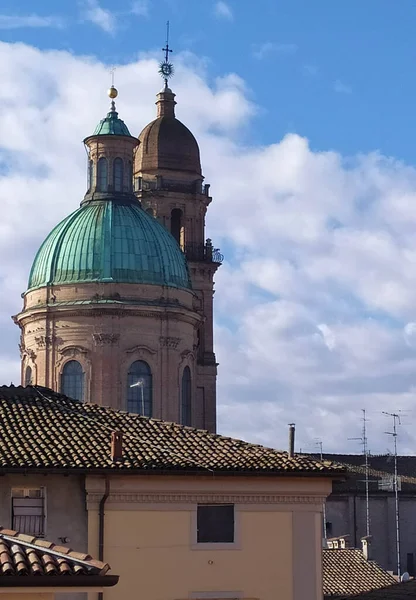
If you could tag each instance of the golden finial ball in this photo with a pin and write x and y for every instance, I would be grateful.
(112, 92)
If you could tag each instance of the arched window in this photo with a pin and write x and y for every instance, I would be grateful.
(130, 175)
(102, 178)
(118, 173)
(72, 380)
(28, 376)
(176, 226)
(186, 397)
(90, 174)
(139, 389)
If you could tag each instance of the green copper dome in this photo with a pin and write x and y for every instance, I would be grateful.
(110, 242)
(112, 125)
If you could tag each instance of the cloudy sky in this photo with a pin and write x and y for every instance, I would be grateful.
(305, 114)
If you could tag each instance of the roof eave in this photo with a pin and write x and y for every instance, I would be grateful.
(60, 581)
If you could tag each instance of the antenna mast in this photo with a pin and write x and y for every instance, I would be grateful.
(319, 444)
(367, 497)
(394, 434)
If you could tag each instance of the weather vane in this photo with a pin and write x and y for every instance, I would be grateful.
(166, 68)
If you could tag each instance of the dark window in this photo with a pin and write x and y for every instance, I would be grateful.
(118, 174)
(176, 226)
(90, 174)
(150, 212)
(102, 178)
(139, 389)
(186, 399)
(215, 523)
(410, 565)
(28, 511)
(28, 376)
(72, 380)
(130, 175)
(328, 528)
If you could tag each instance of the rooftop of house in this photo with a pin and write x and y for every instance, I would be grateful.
(346, 573)
(400, 591)
(28, 561)
(46, 431)
(380, 471)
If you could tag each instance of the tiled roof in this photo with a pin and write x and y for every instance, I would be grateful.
(23, 557)
(347, 573)
(44, 430)
(400, 591)
(381, 467)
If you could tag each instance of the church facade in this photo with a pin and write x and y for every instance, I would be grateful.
(119, 305)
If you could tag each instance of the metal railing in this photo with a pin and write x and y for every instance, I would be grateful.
(203, 253)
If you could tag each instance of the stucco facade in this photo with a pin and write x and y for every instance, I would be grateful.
(150, 537)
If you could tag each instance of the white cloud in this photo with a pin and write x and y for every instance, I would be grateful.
(261, 51)
(102, 17)
(315, 304)
(342, 88)
(223, 11)
(140, 8)
(21, 21)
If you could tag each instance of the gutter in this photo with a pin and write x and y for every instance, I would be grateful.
(101, 524)
(64, 581)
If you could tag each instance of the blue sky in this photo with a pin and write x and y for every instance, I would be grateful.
(304, 112)
(340, 73)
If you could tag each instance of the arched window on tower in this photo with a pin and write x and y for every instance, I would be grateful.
(102, 175)
(90, 174)
(186, 397)
(130, 176)
(176, 226)
(118, 174)
(139, 388)
(72, 380)
(28, 376)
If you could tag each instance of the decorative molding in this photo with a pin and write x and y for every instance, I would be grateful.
(105, 339)
(24, 351)
(169, 342)
(42, 341)
(184, 498)
(140, 350)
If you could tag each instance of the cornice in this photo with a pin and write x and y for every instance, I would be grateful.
(189, 498)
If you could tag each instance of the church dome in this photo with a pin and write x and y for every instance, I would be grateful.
(166, 143)
(110, 241)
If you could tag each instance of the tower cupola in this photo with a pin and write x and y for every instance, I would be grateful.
(110, 156)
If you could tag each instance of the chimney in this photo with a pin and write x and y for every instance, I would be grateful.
(291, 439)
(116, 446)
(366, 546)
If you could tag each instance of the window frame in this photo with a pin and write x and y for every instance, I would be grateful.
(118, 174)
(83, 384)
(149, 375)
(43, 516)
(102, 174)
(186, 401)
(235, 545)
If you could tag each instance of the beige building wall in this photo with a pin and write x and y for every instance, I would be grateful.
(150, 537)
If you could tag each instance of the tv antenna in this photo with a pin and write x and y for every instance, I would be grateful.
(394, 434)
(364, 442)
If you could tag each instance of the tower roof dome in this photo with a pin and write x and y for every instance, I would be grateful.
(110, 242)
(166, 143)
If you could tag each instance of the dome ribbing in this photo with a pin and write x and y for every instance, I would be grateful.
(110, 242)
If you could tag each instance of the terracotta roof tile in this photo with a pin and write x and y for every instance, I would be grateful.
(20, 557)
(45, 430)
(400, 591)
(347, 573)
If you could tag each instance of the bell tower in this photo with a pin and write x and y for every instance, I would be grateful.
(169, 183)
